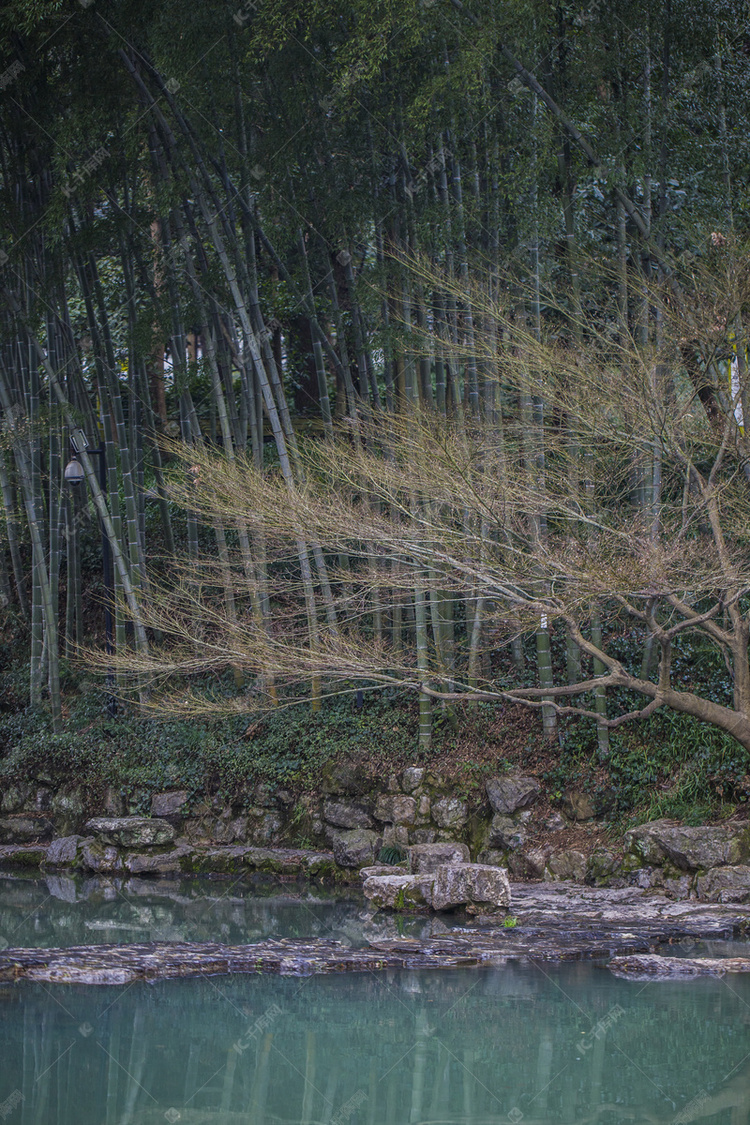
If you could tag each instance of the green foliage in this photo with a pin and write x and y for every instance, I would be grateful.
(392, 855)
(142, 756)
(509, 922)
(670, 765)
(675, 766)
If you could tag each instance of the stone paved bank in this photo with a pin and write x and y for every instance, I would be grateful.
(505, 823)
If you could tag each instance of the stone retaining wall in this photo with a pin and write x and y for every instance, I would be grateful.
(503, 822)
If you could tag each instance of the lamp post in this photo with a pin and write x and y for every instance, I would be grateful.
(74, 476)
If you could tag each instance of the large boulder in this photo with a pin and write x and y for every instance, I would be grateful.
(578, 805)
(346, 815)
(130, 831)
(398, 892)
(426, 858)
(395, 809)
(356, 848)
(62, 852)
(470, 884)
(725, 884)
(104, 859)
(510, 793)
(450, 812)
(690, 849)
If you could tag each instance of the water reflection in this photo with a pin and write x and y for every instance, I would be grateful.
(61, 911)
(566, 1045)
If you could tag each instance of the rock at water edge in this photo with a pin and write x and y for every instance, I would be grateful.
(62, 852)
(725, 884)
(462, 884)
(398, 892)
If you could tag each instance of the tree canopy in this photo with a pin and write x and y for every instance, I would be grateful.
(449, 299)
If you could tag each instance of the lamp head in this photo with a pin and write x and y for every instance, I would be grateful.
(73, 473)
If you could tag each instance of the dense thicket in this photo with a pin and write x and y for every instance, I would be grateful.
(511, 231)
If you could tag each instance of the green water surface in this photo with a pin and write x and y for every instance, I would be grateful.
(525, 1043)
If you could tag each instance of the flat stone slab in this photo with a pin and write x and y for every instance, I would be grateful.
(130, 831)
(22, 855)
(671, 968)
(122, 964)
(235, 859)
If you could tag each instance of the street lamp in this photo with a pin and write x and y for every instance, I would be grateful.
(74, 475)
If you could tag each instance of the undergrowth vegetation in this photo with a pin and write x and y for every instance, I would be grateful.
(670, 765)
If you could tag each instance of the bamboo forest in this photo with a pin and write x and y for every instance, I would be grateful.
(374, 561)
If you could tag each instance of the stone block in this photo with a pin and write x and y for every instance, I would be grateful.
(157, 863)
(570, 864)
(725, 884)
(346, 815)
(395, 809)
(450, 812)
(412, 778)
(21, 829)
(426, 858)
(170, 805)
(470, 884)
(398, 892)
(506, 833)
(396, 835)
(422, 836)
(356, 848)
(62, 852)
(104, 859)
(508, 793)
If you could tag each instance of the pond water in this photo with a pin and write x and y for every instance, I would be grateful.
(60, 911)
(559, 1044)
